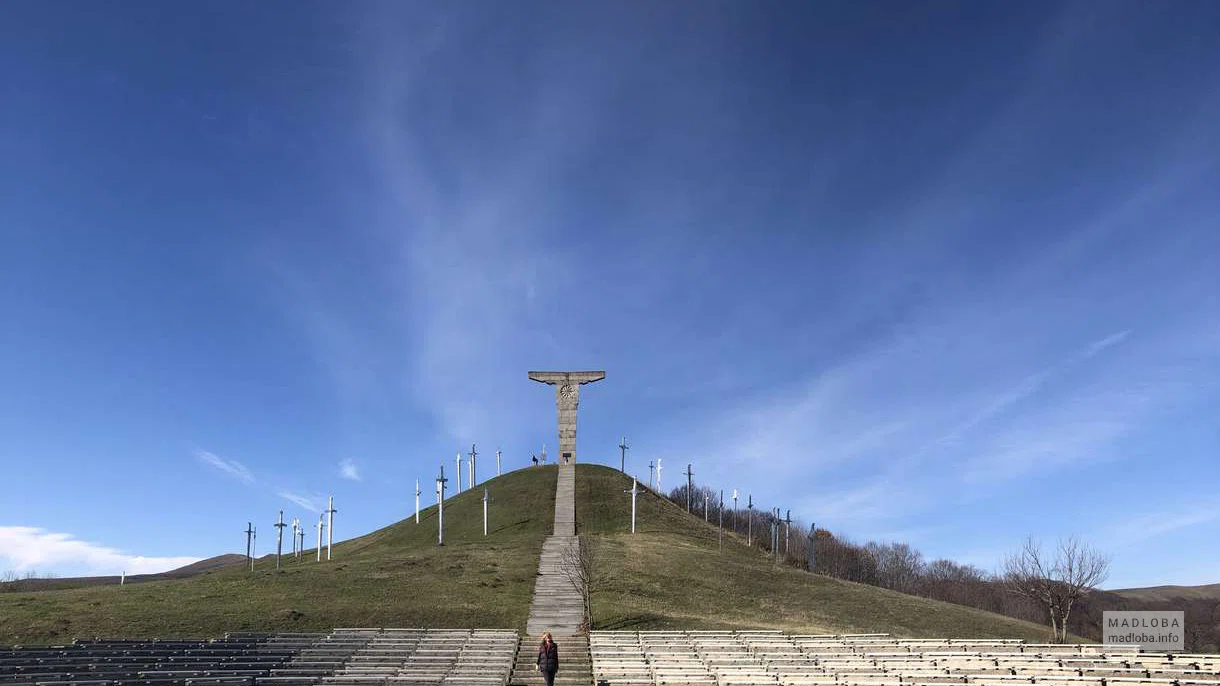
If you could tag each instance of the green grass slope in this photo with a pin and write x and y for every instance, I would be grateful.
(396, 576)
(673, 574)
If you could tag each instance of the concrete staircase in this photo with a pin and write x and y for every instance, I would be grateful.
(575, 664)
(558, 606)
(565, 501)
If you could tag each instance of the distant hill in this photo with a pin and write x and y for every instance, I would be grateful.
(208, 565)
(63, 583)
(1168, 593)
(673, 573)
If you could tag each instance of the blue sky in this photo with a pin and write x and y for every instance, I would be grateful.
(938, 272)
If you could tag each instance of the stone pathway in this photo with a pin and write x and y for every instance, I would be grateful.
(558, 606)
(565, 501)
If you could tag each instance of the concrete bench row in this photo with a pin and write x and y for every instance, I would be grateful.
(398, 656)
(770, 657)
(351, 656)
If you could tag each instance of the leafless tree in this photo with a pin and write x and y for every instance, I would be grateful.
(580, 566)
(899, 566)
(1055, 583)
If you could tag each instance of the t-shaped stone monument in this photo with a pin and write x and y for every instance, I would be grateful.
(567, 398)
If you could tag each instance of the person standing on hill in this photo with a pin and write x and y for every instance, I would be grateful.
(548, 658)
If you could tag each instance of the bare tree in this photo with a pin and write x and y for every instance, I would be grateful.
(899, 566)
(580, 566)
(1055, 584)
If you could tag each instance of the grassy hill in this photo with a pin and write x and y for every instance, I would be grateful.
(56, 584)
(672, 574)
(1168, 593)
(396, 576)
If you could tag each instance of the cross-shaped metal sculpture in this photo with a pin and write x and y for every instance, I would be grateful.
(635, 490)
(440, 505)
(279, 539)
(750, 521)
(486, 500)
(689, 485)
(249, 534)
(787, 531)
(812, 549)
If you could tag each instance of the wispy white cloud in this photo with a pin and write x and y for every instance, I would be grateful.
(878, 500)
(312, 502)
(929, 417)
(231, 467)
(349, 470)
(24, 548)
(1150, 525)
(1107, 342)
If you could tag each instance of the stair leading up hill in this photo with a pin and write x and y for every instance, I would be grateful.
(565, 501)
(575, 663)
(558, 606)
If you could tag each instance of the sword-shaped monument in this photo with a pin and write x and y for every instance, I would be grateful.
(567, 398)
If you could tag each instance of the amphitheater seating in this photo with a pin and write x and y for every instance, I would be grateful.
(411, 657)
(414, 656)
(749, 658)
(353, 657)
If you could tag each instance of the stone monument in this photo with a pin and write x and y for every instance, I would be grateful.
(567, 398)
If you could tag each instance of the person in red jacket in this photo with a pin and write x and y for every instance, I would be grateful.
(548, 658)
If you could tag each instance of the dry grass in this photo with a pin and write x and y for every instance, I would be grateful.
(673, 574)
(396, 576)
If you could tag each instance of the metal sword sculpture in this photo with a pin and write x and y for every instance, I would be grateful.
(330, 526)
(750, 521)
(249, 534)
(321, 526)
(635, 490)
(417, 501)
(567, 399)
(775, 535)
(440, 506)
(734, 509)
(484, 511)
(279, 539)
(720, 510)
(623, 448)
(811, 551)
(471, 464)
(689, 483)
(787, 531)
